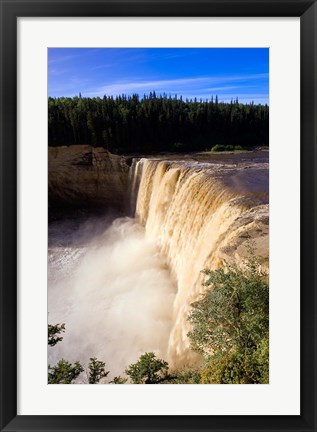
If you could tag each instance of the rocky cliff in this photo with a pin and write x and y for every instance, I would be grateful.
(83, 176)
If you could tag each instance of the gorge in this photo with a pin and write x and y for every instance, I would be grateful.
(128, 238)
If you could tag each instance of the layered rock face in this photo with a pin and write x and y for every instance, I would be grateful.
(83, 176)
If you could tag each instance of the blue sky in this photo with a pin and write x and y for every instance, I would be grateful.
(188, 72)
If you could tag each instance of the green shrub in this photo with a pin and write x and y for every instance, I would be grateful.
(119, 380)
(184, 376)
(223, 369)
(64, 372)
(239, 367)
(148, 370)
(218, 148)
(222, 148)
(230, 325)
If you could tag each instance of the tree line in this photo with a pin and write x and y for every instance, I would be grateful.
(130, 124)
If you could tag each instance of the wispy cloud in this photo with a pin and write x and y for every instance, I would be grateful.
(71, 87)
(128, 86)
(204, 84)
(64, 58)
(103, 66)
(61, 59)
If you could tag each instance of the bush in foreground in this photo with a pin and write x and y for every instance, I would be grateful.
(64, 372)
(148, 370)
(230, 325)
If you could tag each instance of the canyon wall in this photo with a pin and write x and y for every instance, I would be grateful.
(83, 176)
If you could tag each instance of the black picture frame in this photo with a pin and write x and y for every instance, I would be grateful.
(10, 11)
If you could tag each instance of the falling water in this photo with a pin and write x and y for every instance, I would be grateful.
(192, 212)
(135, 175)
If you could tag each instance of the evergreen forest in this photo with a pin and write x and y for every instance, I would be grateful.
(130, 124)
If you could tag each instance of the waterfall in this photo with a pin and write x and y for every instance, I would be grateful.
(135, 174)
(125, 286)
(193, 213)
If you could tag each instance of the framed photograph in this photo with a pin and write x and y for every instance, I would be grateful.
(158, 196)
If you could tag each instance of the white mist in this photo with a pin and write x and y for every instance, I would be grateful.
(113, 291)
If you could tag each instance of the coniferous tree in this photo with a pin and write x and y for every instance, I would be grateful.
(148, 370)
(64, 372)
(97, 370)
(128, 124)
(53, 332)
